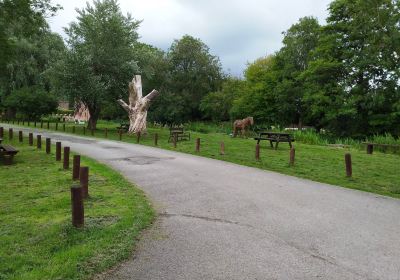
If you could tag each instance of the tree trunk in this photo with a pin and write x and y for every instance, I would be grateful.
(138, 106)
(94, 116)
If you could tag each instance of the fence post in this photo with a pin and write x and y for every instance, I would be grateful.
(63, 126)
(56, 125)
(1, 132)
(84, 130)
(370, 149)
(20, 136)
(35, 124)
(349, 169)
(77, 206)
(197, 145)
(29, 123)
(106, 132)
(155, 139)
(48, 145)
(138, 137)
(257, 151)
(41, 124)
(75, 167)
(39, 141)
(23, 122)
(58, 151)
(92, 131)
(84, 180)
(292, 156)
(30, 139)
(66, 158)
(222, 149)
(175, 139)
(120, 134)
(48, 125)
(73, 129)
(10, 133)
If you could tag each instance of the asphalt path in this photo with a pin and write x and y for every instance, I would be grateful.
(219, 220)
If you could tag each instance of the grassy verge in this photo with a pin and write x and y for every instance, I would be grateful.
(37, 239)
(377, 173)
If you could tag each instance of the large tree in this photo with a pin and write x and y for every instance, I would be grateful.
(100, 59)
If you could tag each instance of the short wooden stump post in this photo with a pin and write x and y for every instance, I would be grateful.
(29, 124)
(20, 136)
(257, 151)
(92, 131)
(1, 132)
(41, 124)
(120, 134)
(56, 125)
(175, 139)
(34, 124)
(84, 180)
(58, 151)
(349, 169)
(48, 125)
(138, 137)
(39, 141)
(66, 158)
(63, 126)
(30, 139)
(23, 122)
(10, 133)
(48, 145)
(370, 149)
(84, 130)
(197, 145)
(73, 129)
(155, 139)
(106, 132)
(222, 149)
(292, 156)
(76, 165)
(77, 208)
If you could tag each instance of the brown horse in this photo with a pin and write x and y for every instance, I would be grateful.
(242, 125)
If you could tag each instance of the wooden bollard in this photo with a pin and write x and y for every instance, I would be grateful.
(92, 131)
(41, 124)
(23, 122)
(10, 134)
(29, 123)
(77, 206)
(222, 149)
(106, 132)
(76, 165)
(1, 132)
(30, 139)
(349, 169)
(197, 145)
(292, 156)
(34, 124)
(84, 130)
(17, 122)
(63, 126)
(58, 151)
(48, 125)
(175, 139)
(120, 134)
(370, 149)
(39, 141)
(138, 137)
(84, 180)
(257, 151)
(73, 129)
(66, 158)
(155, 139)
(20, 136)
(48, 145)
(56, 125)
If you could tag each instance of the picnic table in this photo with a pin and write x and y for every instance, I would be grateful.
(7, 153)
(276, 137)
(385, 147)
(123, 127)
(179, 133)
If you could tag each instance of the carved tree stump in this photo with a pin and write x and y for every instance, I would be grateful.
(138, 106)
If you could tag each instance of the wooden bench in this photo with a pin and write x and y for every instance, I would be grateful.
(7, 153)
(123, 127)
(370, 147)
(275, 137)
(179, 133)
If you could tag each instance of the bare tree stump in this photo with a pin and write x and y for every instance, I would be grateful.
(138, 105)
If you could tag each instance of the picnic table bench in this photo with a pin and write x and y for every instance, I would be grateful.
(370, 147)
(276, 137)
(7, 153)
(179, 133)
(123, 126)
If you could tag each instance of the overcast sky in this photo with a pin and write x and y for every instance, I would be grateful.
(237, 31)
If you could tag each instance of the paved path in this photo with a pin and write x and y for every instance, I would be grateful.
(224, 221)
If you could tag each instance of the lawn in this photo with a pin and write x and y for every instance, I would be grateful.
(377, 173)
(37, 238)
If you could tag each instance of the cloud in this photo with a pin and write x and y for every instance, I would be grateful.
(236, 31)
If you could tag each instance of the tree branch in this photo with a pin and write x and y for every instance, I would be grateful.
(124, 105)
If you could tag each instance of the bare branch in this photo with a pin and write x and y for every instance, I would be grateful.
(124, 105)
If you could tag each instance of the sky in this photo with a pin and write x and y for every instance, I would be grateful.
(238, 32)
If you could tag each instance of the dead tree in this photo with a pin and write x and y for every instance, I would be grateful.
(138, 106)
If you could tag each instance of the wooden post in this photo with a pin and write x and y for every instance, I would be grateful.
(29, 123)
(370, 149)
(92, 131)
(120, 134)
(138, 137)
(155, 139)
(58, 151)
(292, 156)
(41, 124)
(30, 139)
(349, 169)
(1, 132)
(48, 125)
(222, 149)
(106, 132)
(73, 129)
(39, 141)
(23, 122)
(63, 126)
(35, 124)
(48, 145)
(84, 130)
(257, 151)
(20, 136)
(77, 206)
(175, 139)
(197, 145)
(66, 158)
(76, 165)
(10, 134)
(84, 180)
(56, 125)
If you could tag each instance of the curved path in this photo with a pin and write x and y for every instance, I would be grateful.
(224, 221)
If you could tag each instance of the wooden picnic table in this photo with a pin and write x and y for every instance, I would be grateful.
(179, 133)
(7, 152)
(276, 137)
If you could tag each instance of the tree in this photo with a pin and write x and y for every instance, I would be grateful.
(100, 59)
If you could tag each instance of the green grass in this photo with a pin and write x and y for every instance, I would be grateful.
(377, 173)
(37, 238)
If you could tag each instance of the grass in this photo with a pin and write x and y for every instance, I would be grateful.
(37, 238)
(377, 173)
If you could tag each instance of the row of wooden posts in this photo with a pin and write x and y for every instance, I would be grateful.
(292, 152)
(80, 191)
